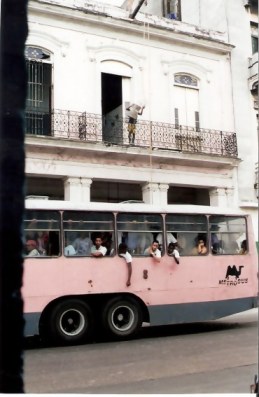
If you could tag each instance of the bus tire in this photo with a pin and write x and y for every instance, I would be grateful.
(71, 322)
(122, 317)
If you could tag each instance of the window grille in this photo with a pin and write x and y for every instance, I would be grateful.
(186, 79)
(38, 103)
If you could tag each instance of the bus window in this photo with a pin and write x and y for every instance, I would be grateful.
(189, 231)
(42, 230)
(227, 235)
(138, 231)
(82, 228)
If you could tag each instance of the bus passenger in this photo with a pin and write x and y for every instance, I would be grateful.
(82, 244)
(154, 251)
(170, 238)
(98, 250)
(201, 248)
(243, 249)
(145, 241)
(42, 242)
(123, 252)
(31, 248)
(173, 251)
(107, 242)
(69, 248)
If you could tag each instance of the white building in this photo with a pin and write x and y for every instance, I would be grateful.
(196, 141)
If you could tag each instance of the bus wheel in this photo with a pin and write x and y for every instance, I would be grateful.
(71, 321)
(122, 318)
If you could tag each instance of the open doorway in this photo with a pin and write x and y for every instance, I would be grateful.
(112, 111)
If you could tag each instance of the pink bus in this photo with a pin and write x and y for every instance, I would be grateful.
(68, 293)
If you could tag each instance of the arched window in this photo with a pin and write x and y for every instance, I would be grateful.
(186, 101)
(38, 103)
(186, 80)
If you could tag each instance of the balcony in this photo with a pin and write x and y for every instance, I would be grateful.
(90, 127)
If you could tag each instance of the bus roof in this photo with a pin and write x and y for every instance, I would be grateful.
(128, 207)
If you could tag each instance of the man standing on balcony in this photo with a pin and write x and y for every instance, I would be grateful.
(134, 111)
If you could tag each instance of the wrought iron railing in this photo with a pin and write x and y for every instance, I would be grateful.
(90, 127)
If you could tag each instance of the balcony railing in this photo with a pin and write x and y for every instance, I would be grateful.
(90, 127)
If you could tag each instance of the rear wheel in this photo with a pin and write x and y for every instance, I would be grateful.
(71, 321)
(122, 317)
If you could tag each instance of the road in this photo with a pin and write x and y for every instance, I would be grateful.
(213, 357)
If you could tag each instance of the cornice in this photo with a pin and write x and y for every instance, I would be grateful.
(126, 25)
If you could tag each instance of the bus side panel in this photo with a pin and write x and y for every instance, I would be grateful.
(31, 326)
(198, 311)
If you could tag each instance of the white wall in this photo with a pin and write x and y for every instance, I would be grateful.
(80, 45)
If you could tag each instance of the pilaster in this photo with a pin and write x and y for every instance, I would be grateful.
(77, 189)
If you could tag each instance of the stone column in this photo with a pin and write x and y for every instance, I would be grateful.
(77, 189)
(155, 193)
(163, 187)
(218, 197)
(231, 199)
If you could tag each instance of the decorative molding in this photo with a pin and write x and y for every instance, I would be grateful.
(186, 66)
(47, 41)
(163, 187)
(115, 53)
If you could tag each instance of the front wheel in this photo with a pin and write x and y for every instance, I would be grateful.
(71, 321)
(122, 317)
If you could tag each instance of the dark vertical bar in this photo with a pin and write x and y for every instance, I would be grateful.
(179, 11)
(13, 96)
(197, 121)
(221, 143)
(176, 117)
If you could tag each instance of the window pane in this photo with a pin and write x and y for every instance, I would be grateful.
(254, 44)
(82, 228)
(42, 230)
(138, 231)
(227, 235)
(189, 230)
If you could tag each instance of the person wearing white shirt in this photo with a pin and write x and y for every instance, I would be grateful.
(82, 244)
(169, 236)
(98, 250)
(69, 250)
(154, 251)
(31, 247)
(173, 251)
(123, 252)
(134, 111)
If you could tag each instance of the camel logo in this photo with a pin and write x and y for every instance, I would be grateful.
(232, 271)
(234, 279)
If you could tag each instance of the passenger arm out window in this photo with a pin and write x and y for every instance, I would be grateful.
(138, 231)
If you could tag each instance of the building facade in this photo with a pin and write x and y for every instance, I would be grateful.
(191, 66)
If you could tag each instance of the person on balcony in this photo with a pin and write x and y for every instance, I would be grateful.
(134, 112)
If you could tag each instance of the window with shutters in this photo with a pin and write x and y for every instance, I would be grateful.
(186, 100)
